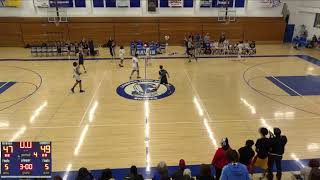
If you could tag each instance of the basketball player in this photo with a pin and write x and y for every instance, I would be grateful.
(148, 54)
(240, 50)
(76, 75)
(122, 53)
(135, 66)
(190, 50)
(163, 78)
(81, 61)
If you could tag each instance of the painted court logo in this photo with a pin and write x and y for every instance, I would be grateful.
(144, 90)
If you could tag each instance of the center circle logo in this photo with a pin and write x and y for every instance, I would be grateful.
(145, 90)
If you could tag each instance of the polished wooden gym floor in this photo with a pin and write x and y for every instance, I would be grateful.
(99, 128)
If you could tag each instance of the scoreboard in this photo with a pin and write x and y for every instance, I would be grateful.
(26, 159)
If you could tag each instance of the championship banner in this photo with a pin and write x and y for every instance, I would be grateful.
(205, 3)
(222, 3)
(10, 3)
(175, 3)
(123, 3)
(270, 3)
(60, 3)
(41, 3)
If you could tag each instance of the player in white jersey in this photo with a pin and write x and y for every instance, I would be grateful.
(122, 53)
(76, 76)
(135, 66)
(148, 54)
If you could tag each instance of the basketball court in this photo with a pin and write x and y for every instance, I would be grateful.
(118, 122)
(214, 98)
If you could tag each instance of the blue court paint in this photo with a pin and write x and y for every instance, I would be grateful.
(298, 85)
(5, 86)
(287, 165)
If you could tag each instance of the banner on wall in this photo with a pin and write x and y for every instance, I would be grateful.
(175, 3)
(205, 3)
(123, 3)
(271, 3)
(41, 3)
(59, 3)
(10, 3)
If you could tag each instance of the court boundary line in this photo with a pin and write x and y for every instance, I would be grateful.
(154, 57)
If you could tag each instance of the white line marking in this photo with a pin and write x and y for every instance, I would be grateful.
(94, 94)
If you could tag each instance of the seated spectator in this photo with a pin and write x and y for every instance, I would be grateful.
(234, 170)
(246, 153)
(178, 175)
(84, 174)
(162, 172)
(133, 175)
(187, 175)
(220, 159)
(205, 173)
(305, 172)
(252, 48)
(315, 171)
(106, 175)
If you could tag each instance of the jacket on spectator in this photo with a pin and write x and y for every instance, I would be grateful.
(235, 171)
(262, 147)
(277, 145)
(220, 160)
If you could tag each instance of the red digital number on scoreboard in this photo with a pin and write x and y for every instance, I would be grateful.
(25, 145)
(26, 167)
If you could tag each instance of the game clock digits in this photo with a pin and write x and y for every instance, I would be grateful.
(26, 159)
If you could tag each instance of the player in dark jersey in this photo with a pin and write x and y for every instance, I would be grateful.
(81, 61)
(163, 77)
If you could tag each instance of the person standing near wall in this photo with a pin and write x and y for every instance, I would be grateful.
(111, 45)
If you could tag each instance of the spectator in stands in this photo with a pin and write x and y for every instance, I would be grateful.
(252, 48)
(133, 175)
(234, 170)
(84, 174)
(57, 178)
(222, 38)
(305, 171)
(315, 171)
(246, 153)
(162, 172)
(187, 175)
(313, 42)
(178, 175)
(106, 175)
(277, 146)
(206, 38)
(262, 149)
(220, 159)
(205, 173)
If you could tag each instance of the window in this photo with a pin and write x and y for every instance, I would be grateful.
(317, 21)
